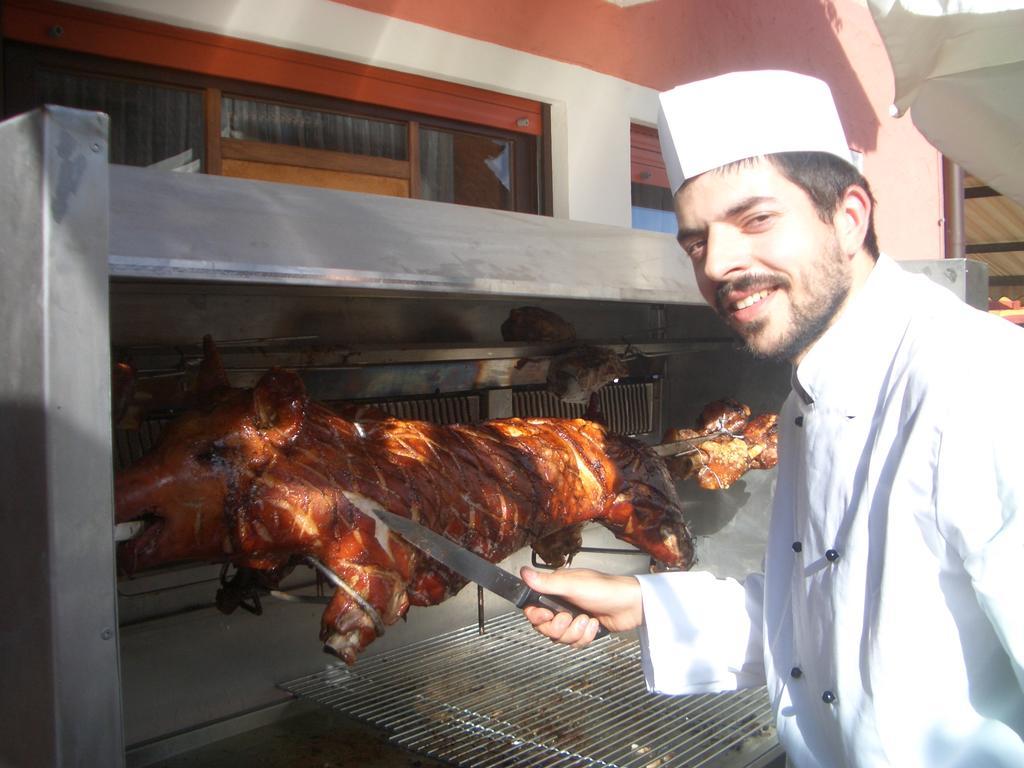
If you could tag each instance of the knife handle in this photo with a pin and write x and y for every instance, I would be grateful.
(553, 604)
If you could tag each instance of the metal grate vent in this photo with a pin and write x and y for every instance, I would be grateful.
(513, 699)
(458, 409)
(627, 408)
(131, 445)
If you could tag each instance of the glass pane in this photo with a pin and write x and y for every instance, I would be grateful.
(148, 123)
(653, 209)
(277, 124)
(466, 168)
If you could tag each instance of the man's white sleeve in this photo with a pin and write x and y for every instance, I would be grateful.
(700, 633)
(980, 509)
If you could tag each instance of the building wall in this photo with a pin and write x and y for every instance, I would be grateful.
(600, 66)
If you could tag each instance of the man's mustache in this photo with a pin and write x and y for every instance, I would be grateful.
(748, 283)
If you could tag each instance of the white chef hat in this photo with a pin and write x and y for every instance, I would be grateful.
(710, 123)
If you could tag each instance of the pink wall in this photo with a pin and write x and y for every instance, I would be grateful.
(662, 43)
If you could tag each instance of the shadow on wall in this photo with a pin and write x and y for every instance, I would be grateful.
(663, 43)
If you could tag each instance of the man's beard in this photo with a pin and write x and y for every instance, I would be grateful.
(826, 284)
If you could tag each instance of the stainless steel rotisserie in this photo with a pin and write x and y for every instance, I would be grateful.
(374, 302)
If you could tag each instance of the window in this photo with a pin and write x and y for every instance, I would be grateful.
(458, 167)
(260, 139)
(652, 208)
(651, 200)
(211, 124)
(149, 123)
(251, 120)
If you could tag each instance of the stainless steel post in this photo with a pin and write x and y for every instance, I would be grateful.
(61, 701)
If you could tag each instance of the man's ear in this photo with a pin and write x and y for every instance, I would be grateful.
(852, 218)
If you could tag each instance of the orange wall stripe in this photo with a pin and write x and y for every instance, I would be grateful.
(126, 38)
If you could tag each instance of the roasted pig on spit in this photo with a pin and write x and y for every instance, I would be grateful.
(262, 478)
(736, 443)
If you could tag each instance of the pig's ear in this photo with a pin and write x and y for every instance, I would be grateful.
(279, 401)
(212, 381)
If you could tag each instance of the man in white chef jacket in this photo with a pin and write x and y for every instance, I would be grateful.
(889, 621)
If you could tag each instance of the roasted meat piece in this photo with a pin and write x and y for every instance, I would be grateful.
(716, 464)
(762, 437)
(723, 416)
(745, 443)
(266, 476)
(537, 325)
(577, 374)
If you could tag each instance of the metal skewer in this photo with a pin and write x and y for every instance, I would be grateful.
(689, 445)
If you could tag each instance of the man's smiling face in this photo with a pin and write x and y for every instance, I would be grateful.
(764, 259)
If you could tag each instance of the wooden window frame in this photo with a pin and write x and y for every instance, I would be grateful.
(146, 42)
(110, 45)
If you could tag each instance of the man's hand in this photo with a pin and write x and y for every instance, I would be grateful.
(614, 601)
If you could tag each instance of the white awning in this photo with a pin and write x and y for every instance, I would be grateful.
(959, 69)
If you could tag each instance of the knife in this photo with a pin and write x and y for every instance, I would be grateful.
(472, 566)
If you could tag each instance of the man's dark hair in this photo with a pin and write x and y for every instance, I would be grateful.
(825, 178)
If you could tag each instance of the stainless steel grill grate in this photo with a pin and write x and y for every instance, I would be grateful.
(511, 698)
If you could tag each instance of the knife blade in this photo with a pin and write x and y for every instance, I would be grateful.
(472, 566)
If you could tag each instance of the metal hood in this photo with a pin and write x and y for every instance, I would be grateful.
(194, 227)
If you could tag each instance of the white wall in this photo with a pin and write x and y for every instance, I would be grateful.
(590, 112)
